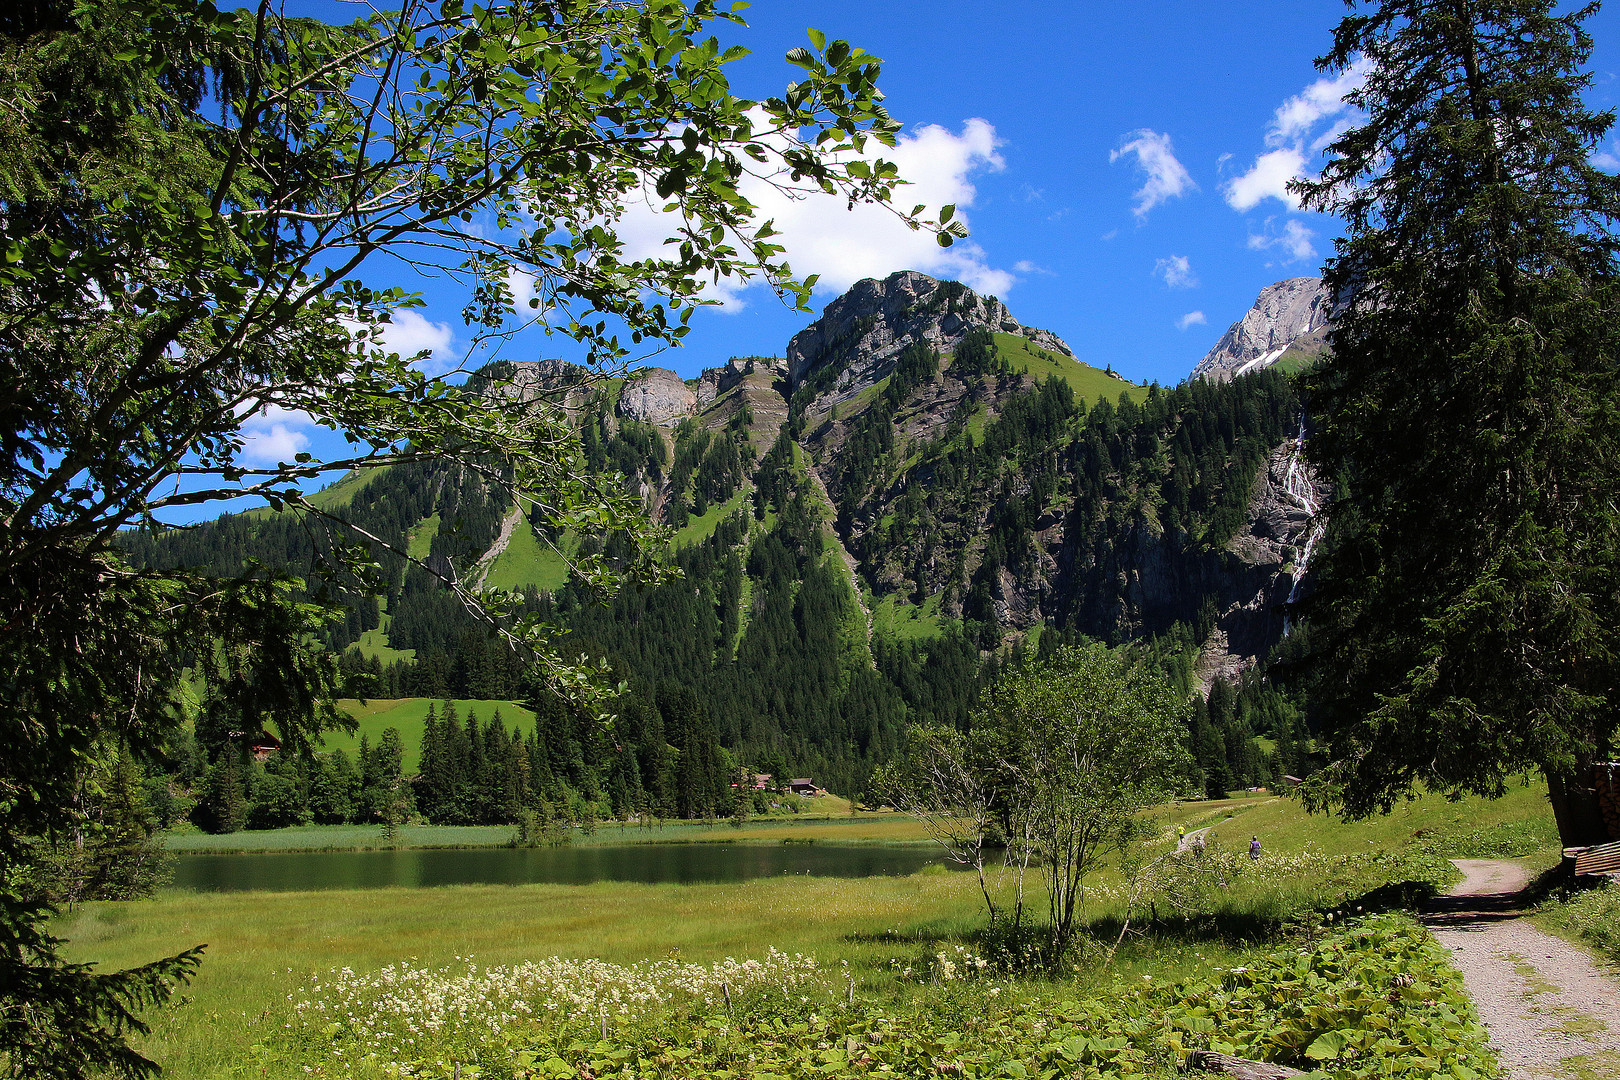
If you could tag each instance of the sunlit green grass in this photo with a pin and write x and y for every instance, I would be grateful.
(421, 537)
(346, 487)
(375, 643)
(409, 716)
(699, 528)
(1281, 824)
(528, 560)
(1088, 382)
(896, 620)
(262, 946)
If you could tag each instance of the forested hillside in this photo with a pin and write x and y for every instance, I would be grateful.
(923, 492)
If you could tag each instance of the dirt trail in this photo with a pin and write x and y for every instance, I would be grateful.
(1194, 839)
(1553, 1014)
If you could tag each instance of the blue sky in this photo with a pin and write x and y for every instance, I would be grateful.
(1044, 116)
(1118, 165)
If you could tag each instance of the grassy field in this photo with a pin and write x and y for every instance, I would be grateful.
(897, 620)
(408, 715)
(528, 560)
(264, 947)
(375, 643)
(421, 537)
(347, 486)
(700, 528)
(1088, 382)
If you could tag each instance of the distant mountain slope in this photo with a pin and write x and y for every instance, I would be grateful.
(1290, 317)
(921, 482)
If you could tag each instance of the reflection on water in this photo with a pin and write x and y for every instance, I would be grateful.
(654, 863)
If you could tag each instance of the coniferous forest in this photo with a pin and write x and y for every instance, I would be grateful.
(762, 654)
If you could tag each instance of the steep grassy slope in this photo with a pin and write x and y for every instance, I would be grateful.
(407, 715)
(1088, 382)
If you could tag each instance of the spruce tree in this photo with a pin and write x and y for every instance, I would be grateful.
(1466, 620)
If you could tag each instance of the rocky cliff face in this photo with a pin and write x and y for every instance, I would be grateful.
(1290, 314)
(858, 337)
(656, 396)
(916, 531)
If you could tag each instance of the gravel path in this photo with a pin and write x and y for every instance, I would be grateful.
(1551, 1011)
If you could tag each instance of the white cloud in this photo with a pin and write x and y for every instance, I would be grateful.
(1167, 178)
(272, 434)
(1268, 179)
(824, 236)
(1192, 318)
(409, 333)
(1295, 242)
(1322, 100)
(1291, 133)
(1176, 272)
(522, 284)
(1025, 266)
(1605, 160)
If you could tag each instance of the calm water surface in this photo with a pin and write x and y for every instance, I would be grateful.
(653, 863)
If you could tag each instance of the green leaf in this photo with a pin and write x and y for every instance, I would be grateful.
(1326, 1046)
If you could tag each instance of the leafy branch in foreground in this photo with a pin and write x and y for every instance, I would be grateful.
(190, 198)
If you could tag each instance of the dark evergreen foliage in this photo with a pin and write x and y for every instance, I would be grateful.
(1466, 617)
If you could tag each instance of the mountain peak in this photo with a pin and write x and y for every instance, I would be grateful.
(859, 334)
(1295, 312)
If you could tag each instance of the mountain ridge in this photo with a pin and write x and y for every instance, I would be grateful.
(1290, 315)
(920, 486)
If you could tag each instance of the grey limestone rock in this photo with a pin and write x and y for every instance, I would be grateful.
(656, 396)
(861, 333)
(1293, 312)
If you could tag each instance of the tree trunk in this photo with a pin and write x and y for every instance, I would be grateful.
(1575, 806)
(1243, 1068)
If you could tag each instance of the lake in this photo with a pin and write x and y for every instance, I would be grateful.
(651, 863)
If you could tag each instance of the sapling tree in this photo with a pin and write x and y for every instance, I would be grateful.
(1082, 743)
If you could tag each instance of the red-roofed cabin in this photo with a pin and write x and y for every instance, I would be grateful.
(263, 746)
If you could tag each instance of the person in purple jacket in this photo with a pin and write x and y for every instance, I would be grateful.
(1254, 848)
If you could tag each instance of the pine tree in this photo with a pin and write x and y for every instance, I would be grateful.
(1466, 620)
(223, 808)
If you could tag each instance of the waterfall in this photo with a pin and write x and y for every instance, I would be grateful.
(1297, 484)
